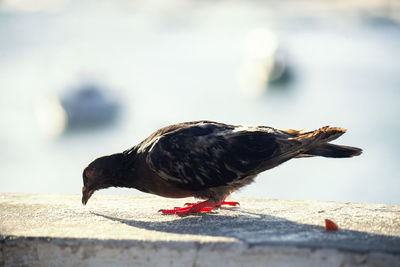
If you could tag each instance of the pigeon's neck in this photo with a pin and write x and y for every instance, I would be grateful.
(125, 176)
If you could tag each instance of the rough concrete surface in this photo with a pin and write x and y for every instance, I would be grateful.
(56, 230)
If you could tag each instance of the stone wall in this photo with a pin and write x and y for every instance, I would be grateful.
(55, 230)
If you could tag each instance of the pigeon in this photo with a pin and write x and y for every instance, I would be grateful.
(207, 160)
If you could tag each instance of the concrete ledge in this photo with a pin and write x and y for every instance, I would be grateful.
(57, 230)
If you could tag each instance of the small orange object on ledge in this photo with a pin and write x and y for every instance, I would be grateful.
(330, 225)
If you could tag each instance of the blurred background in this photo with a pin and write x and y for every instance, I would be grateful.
(82, 79)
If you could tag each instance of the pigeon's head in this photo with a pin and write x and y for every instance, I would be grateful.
(100, 174)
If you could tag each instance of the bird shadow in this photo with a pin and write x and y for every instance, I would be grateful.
(260, 229)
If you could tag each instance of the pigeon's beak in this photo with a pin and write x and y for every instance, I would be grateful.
(86, 194)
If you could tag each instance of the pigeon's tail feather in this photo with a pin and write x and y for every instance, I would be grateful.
(317, 142)
(323, 135)
(332, 151)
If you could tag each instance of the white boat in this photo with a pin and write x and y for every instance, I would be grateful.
(89, 106)
(85, 107)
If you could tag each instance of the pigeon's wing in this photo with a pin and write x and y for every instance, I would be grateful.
(209, 155)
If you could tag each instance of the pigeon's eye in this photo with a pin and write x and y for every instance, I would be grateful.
(90, 173)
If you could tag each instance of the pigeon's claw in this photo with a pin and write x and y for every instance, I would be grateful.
(191, 208)
(199, 207)
(171, 211)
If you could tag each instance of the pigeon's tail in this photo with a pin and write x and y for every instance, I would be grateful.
(318, 142)
(332, 151)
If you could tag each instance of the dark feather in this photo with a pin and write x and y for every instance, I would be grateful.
(332, 151)
(209, 154)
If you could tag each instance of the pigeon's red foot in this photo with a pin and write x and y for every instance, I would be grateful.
(199, 207)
